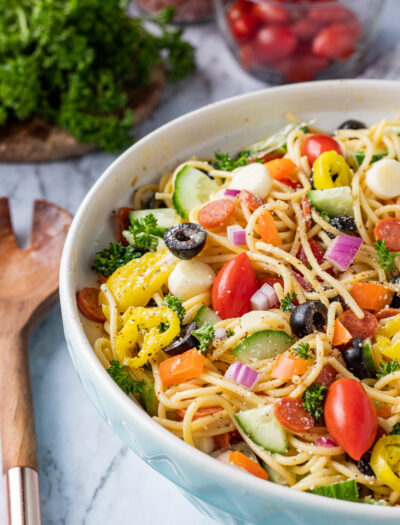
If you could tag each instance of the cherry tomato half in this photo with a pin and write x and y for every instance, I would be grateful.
(244, 28)
(233, 287)
(388, 230)
(291, 415)
(273, 43)
(350, 417)
(315, 145)
(337, 41)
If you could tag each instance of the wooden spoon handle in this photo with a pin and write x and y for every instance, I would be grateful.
(17, 424)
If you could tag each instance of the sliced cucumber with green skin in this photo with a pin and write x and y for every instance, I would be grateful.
(166, 217)
(346, 490)
(274, 476)
(150, 401)
(334, 201)
(206, 314)
(263, 345)
(192, 188)
(368, 359)
(262, 427)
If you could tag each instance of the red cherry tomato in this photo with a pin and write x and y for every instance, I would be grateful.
(327, 376)
(273, 43)
(350, 417)
(291, 414)
(315, 145)
(247, 57)
(269, 14)
(301, 66)
(236, 282)
(331, 15)
(336, 41)
(366, 327)
(315, 248)
(388, 230)
(244, 28)
(238, 9)
(305, 29)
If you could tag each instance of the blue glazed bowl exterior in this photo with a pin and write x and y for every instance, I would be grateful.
(217, 490)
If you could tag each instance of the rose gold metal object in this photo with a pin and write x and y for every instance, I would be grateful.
(22, 496)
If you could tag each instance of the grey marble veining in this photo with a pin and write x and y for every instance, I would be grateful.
(87, 475)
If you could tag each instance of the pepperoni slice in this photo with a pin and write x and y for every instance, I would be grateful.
(291, 414)
(216, 213)
(327, 376)
(250, 200)
(388, 230)
(386, 312)
(88, 304)
(123, 222)
(201, 412)
(363, 328)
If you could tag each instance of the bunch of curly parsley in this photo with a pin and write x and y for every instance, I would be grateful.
(71, 62)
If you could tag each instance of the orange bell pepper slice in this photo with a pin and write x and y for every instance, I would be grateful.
(181, 368)
(280, 168)
(341, 335)
(287, 366)
(241, 460)
(268, 230)
(371, 296)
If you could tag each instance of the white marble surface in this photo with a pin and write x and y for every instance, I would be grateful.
(87, 475)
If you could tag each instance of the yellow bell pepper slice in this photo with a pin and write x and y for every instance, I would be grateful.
(145, 321)
(330, 170)
(135, 283)
(389, 327)
(385, 461)
(391, 351)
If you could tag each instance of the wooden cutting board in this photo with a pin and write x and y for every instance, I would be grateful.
(37, 141)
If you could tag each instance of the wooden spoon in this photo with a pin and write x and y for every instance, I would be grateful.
(28, 289)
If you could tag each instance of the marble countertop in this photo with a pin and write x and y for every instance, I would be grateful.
(87, 475)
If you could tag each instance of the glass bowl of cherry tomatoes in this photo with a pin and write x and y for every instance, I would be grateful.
(282, 41)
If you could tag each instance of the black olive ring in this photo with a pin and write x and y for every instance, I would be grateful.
(308, 318)
(185, 240)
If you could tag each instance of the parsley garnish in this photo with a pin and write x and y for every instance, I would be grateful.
(395, 430)
(175, 304)
(388, 368)
(287, 302)
(145, 232)
(163, 326)
(124, 380)
(225, 162)
(74, 64)
(229, 333)
(313, 399)
(113, 257)
(204, 335)
(303, 351)
(386, 257)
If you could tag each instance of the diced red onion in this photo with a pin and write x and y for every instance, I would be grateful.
(231, 193)
(264, 298)
(342, 251)
(236, 235)
(220, 333)
(224, 457)
(325, 442)
(242, 374)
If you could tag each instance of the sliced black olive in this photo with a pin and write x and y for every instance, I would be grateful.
(185, 240)
(354, 359)
(352, 124)
(363, 464)
(396, 297)
(184, 341)
(308, 318)
(343, 223)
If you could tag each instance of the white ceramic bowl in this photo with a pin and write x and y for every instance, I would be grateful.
(217, 489)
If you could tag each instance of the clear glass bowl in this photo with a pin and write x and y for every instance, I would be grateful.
(299, 40)
(186, 11)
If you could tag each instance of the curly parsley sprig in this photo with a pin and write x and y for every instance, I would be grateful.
(124, 380)
(388, 368)
(113, 257)
(385, 256)
(145, 232)
(303, 351)
(313, 400)
(205, 335)
(287, 302)
(174, 303)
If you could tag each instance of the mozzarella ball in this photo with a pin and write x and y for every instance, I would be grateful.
(383, 178)
(253, 177)
(190, 278)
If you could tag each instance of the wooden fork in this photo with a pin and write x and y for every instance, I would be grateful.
(28, 289)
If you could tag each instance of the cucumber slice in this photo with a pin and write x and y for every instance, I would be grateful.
(368, 358)
(206, 314)
(346, 490)
(264, 429)
(263, 345)
(274, 476)
(151, 401)
(378, 155)
(334, 201)
(191, 189)
(166, 217)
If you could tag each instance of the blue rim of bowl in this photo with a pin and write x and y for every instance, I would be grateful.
(199, 460)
